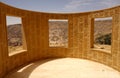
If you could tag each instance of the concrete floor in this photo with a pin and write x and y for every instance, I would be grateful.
(65, 68)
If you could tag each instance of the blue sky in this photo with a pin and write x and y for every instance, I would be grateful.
(62, 5)
(10, 20)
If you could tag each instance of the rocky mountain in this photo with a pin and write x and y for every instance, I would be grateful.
(59, 32)
(103, 31)
(14, 35)
(102, 27)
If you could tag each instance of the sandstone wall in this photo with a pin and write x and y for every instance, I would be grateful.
(35, 25)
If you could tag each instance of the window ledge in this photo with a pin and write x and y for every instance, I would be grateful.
(101, 50)
(17, 52)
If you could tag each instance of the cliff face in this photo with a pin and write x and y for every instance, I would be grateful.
(103, 32)
(59, 32)
(14, 35)
(102, 27)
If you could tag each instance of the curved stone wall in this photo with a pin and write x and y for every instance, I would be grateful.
(35, 26)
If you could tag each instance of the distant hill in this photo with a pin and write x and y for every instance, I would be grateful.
(103, 31)
(58, 31)
(102, 27)
(14, 35)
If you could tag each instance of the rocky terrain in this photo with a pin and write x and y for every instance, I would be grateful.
(59, 33)
(14, 35)
(102, 32)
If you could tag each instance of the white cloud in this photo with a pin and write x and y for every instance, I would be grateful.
(74, 4)
(86, 5)
(110, 3)
(13, 20)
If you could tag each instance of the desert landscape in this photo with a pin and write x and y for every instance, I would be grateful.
(102, 34)
(14, 37)
(58, 35)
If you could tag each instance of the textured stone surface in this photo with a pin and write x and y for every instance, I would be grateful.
(35, 26)
(65, 68)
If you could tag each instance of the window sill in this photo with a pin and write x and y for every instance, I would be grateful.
(17, 52)
(101, 50)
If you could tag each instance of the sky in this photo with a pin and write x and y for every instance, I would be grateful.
(13, 20)
(62, 6)
(59, 6)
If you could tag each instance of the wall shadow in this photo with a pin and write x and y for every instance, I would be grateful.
(25, 71)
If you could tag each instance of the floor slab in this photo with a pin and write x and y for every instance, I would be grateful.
(65, 68)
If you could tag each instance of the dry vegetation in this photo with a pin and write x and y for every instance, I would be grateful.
(14, 38)
(14, 48)
(102, 34)
(58, 35)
